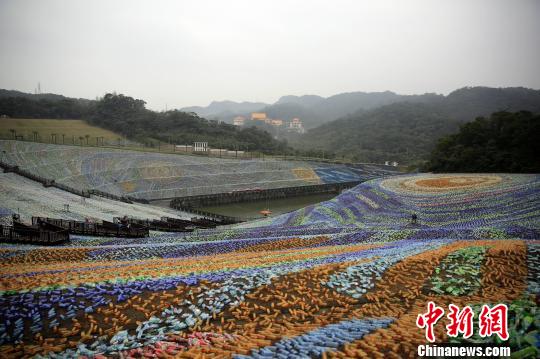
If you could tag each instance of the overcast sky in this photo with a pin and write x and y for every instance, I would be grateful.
(183, 53)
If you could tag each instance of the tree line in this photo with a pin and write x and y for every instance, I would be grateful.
(503, 142)
(129, 117)
(407, 132)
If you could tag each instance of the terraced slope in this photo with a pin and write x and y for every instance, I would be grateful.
(29, 198)
(345, 278)
(155, 176)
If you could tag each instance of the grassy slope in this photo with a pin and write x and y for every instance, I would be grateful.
(45, 127)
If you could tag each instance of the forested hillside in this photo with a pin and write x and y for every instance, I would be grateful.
(382, 127)
(504, 142)
(407, 131)
(18, 104)
(129, 117)
(311, 109)
(402, 132)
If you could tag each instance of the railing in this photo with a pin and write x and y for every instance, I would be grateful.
(126, 199)
(167, 224)
(46, 182)
(31, 235)
(216, 218)
(104, 229)
(97, 192)
(164, 225)
(192, 202)
(171, 149)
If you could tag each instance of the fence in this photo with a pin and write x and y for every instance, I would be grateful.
(97, 192)
(221, 219)
(192, 202)
(104, 229)
(46, 182)
(164, 225)
(172, 149)
(25, 234)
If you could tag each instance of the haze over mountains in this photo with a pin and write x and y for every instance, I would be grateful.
(407, 130)
(315, 110)
(38, 96)
(380, 126)
(358, 126)
(225, 109)
(312, 109)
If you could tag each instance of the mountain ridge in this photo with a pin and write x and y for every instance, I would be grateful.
(407, 131)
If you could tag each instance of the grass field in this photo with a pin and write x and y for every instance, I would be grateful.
(71, 129)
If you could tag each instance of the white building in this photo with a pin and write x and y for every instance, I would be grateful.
(296, 126)
(200, 146)
(239, 121)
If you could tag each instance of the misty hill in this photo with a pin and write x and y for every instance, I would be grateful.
(313, 110)
(407, 131)
(129, 117)
(469, 102)
(334, 107)
(284, 111)
(46, 105)
(225, 110)
(316, 110)
(306, 100)
(383, 126)
(41, 96)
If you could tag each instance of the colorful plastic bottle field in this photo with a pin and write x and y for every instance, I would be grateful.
(145, 175)
(344, 278)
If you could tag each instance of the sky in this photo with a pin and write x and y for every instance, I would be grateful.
(183, 53)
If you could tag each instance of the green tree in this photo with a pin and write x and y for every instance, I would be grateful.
(505, 142)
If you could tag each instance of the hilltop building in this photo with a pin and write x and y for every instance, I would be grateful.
(258, 116)
(296, 126)
(239, 121)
